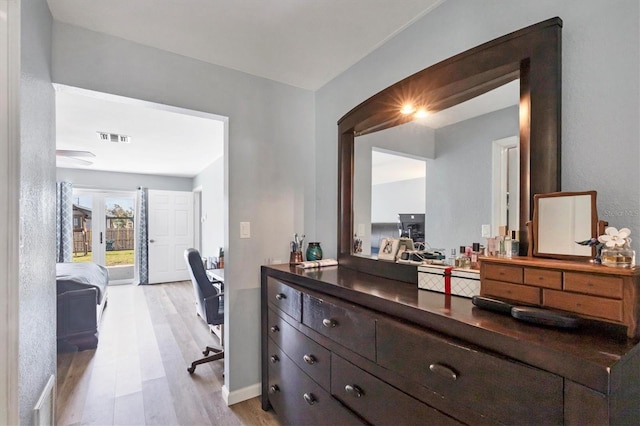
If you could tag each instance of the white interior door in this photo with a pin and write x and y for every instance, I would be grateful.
(170, 234)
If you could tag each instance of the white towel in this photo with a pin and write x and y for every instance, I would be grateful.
(317, 263)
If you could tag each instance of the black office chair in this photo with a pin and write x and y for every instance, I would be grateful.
(209, 302)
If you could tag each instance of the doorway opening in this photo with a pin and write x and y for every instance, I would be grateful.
(103, 231)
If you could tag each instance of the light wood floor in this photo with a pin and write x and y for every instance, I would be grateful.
(137, 376)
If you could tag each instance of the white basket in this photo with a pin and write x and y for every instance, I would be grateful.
(465, 282)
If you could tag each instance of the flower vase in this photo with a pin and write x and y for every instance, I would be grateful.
(314, 251)
(618, 257)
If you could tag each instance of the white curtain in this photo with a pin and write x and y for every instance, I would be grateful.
(141, 275)
(64, 222)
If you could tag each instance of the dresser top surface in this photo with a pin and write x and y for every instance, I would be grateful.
(586, 355)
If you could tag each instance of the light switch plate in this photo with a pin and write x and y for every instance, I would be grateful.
(245, 229)
(486, 231)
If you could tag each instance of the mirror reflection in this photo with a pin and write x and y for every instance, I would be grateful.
(442, 179)
(561, 220)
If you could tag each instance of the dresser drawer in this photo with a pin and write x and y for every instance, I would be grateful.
(598, 285)
(311, 357)
(597, 307)
(503, 390)
(348, 326)
(297, 399)
(285, 298)
(543, 278)
(512, 274)
(516, 292)
(376, 401)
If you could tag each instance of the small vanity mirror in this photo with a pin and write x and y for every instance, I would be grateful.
(560, 221)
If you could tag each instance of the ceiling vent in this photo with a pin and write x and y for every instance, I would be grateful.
(113, 137)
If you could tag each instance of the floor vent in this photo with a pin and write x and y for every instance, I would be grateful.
(44, 413)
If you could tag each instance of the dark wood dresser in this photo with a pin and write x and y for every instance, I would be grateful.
(344, 347)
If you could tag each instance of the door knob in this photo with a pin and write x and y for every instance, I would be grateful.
(152, 241)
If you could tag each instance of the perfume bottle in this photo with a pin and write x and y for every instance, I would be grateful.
(475, 252)
(515, 244)
(491, 246)
(463, 261)
(452, 258)
(507, 245)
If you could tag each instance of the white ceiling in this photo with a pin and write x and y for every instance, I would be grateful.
(387, 167)
(164, 140)
(304, 43)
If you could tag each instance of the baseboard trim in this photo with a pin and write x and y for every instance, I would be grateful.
(240, 395)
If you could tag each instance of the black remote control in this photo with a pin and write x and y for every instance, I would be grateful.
(492, 304)
(545, 317)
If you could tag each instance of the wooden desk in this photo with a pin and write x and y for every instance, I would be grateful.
(217, 275)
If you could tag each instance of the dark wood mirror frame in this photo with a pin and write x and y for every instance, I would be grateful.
(533, 55)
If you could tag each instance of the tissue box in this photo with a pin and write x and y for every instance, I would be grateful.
(463, 282)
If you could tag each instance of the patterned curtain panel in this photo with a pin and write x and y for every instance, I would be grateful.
(64, 222)
(142, 238)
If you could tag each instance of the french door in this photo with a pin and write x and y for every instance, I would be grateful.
(103, 231)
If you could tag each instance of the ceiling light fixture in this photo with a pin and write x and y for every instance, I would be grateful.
(407, 109)
(421, 113)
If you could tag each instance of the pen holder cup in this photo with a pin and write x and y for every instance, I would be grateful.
(295, 258)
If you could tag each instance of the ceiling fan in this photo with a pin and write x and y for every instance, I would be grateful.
(73, 158)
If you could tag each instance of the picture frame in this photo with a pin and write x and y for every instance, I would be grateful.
(388, 249)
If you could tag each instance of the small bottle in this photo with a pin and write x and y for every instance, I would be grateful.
(460, 258)
(452, 258)
(464, 261)
(475, 252)
(507, 245)
(515, 244)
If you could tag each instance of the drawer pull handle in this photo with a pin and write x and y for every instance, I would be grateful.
(309, 359)
(354, 390)
(329, 323)
(274, 359)
(281, 296)
(273, 389)
(444, 371)
(311, 400)
(275, 329)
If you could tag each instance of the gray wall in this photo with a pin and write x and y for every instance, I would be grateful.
(211, 182)
(600, 85)
(392, 198)
(37, 286)
(271, 170)
(459, 179)
(122, 181)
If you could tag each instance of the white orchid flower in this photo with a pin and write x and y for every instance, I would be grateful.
(613, 238)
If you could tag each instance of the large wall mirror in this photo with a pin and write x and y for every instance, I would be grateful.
(464, 143)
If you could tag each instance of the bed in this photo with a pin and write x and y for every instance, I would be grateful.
(82, 296)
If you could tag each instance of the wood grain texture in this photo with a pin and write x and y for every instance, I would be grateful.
(149, 335)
